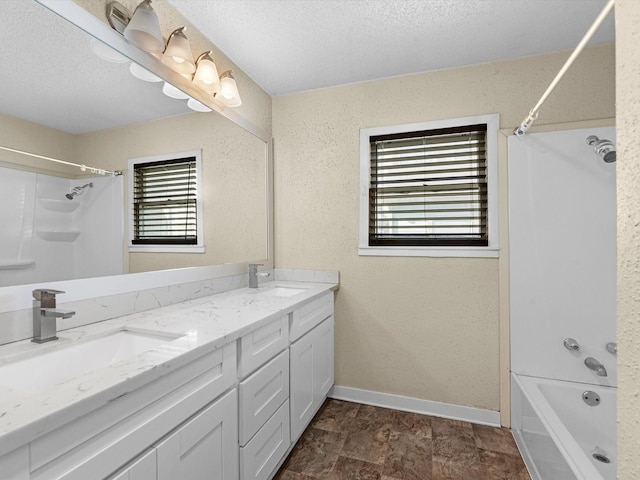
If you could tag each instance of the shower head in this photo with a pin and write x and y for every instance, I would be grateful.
(604, 148)
(79, 190)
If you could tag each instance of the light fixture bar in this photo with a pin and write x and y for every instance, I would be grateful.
(84, 168)
(118, 16)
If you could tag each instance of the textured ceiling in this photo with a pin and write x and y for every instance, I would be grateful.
(50, 76)
(296, 45)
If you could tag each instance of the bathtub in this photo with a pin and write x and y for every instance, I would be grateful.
(558, 434)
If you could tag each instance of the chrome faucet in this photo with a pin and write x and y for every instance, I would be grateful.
(253, 274)
(596, 366)
(45, 314)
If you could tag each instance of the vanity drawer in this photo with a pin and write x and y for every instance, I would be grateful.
(262, 454)
(262, 394)
(308, 316)
(257, 347)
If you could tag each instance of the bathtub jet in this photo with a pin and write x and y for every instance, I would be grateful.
(79, 190)
(603, 148)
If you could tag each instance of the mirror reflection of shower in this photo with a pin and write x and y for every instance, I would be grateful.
(603, 147)
(77, 191)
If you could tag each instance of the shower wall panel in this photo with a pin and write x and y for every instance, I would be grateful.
(100, 249)
(47, 237)
(562, 229)
(17, 197)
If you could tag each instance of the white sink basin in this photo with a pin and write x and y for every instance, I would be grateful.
(278, 291)
(39, 372)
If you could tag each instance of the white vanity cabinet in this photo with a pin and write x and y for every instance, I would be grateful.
(264, 406)
(311, 374)
(144, 468)
(197, 403)
(205, 448)
(281, 397)
(230, 414)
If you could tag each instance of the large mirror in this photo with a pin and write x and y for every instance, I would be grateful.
(61, 100)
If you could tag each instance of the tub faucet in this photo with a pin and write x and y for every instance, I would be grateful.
(596, 366)
(45, 314)
(253, 274)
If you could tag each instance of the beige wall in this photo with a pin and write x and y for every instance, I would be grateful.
(420, 327)
(31, 137)
(628, 184)
(234, 182)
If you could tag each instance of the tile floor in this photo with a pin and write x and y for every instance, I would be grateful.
(350, 441)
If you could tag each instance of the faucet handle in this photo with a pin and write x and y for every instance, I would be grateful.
(571, 344)
(45, 293)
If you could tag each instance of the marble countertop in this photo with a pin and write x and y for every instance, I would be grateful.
(204, 325)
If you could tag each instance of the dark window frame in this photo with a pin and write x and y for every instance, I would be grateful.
(394, 178)
(172, 190)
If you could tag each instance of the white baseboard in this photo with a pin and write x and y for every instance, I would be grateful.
(416, 405)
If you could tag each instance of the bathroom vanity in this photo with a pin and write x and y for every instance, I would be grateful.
(227, 387)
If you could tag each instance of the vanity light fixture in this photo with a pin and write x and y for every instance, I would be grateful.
(142, 73)
(194, 104)
(143, 30)
(118, 16)
(177, 56)
(105, 52)
(229, 94)
(206, 76)
(173, 92)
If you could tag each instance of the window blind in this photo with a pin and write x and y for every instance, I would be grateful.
(165, 203)
(429, 188)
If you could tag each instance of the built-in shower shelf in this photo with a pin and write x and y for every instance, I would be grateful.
(56, 205)
(16, 264)
(58, 236)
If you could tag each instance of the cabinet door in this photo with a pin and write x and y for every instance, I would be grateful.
(311, 374)
(205, 447)
(301, 384)
(144, 468)
(323, 360)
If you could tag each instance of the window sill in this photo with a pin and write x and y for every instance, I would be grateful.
(166, 249)
(463, 252)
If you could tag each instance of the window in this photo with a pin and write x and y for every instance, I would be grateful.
(166, 208)
(430, 188)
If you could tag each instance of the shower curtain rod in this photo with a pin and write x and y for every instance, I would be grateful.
(84, 168)
(533, 113)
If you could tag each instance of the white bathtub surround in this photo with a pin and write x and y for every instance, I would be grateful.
(205, 325)
(562, 269)
(49, 237)
(417, 405)
(558, 433)
(562, 229)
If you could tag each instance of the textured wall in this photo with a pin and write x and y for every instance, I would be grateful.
(234, 182)
(421, 327)
(628, 178)
(34, 138)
